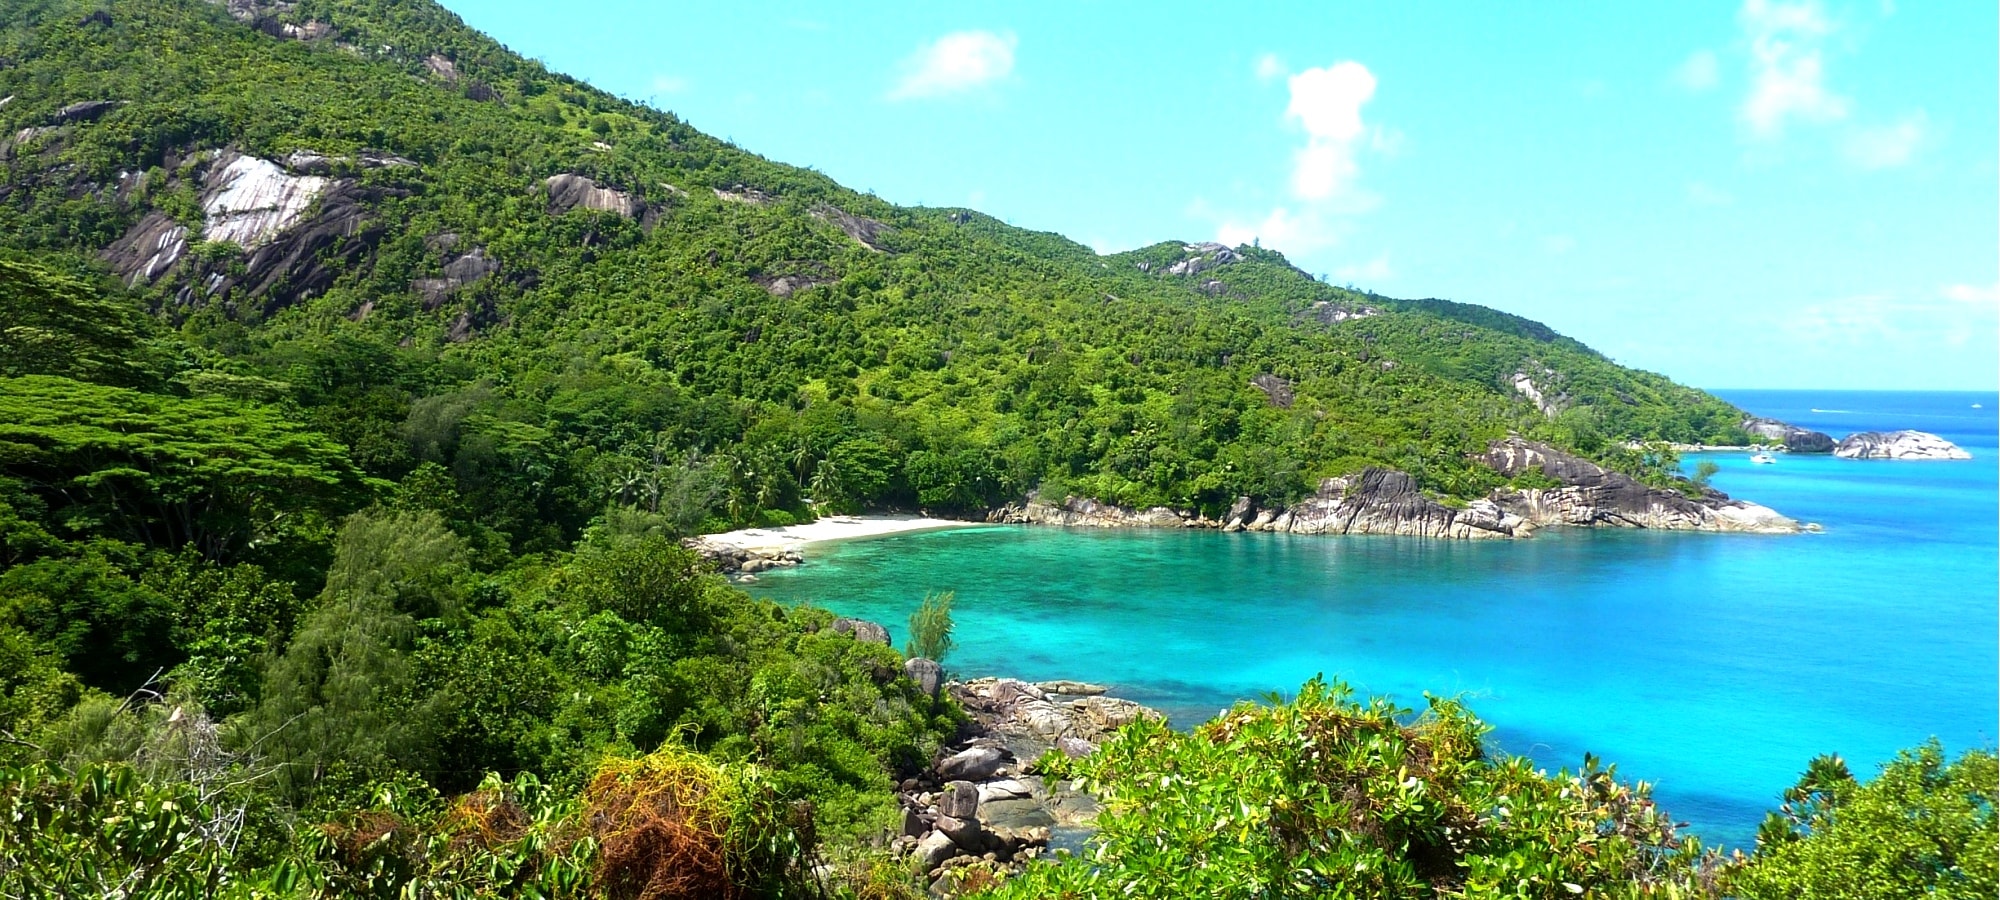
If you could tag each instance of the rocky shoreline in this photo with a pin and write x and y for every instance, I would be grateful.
(1385, 501)
(978, 812)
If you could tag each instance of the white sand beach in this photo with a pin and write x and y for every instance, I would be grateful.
(830, 528)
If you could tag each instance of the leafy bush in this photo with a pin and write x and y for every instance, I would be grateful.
(1922, 828)
(1326, 796)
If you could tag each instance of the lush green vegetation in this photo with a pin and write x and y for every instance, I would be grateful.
(1924, 827)
(644, 364)
(1326, 796)
(336, 584)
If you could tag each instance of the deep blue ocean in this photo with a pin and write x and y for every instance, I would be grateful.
(1713, 666)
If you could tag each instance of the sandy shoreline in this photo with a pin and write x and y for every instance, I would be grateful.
(830, 528)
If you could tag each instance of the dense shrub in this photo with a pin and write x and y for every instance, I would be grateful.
(1924, 827)
(1326, 796)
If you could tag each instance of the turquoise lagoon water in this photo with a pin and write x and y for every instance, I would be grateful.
(1713, 666)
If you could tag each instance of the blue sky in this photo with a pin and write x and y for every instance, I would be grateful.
(1750, 194)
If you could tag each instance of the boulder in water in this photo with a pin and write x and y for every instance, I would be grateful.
(1898, 445)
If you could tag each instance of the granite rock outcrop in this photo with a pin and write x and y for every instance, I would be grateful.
(1898, 445)
(1794, 438)
(978, 805)
(1592, 495)
(1386, 501)
(297, 233)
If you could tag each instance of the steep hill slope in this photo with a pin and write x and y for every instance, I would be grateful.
(435, 251)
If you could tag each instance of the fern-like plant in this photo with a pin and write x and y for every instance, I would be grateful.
(930, 628)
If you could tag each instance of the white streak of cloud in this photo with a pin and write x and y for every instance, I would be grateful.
(669, 84)
(1269, 67)
(1699, 72)
(1327, 103)
(1701, 193)
(1889, 146)
(1285, 229)
(1375, 270)
(1787, 69)
(1558, 244)
(1978, 294)
(956, 63)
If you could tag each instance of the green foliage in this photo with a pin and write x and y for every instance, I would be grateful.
(1329, 797)
(54, 325)
(930, 627)
(1924, 827)
(1703, 471)
(615, 365)
(228, 477)
(104, 831)
(179, 490)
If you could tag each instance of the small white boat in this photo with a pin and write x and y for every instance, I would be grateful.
(1762, 458)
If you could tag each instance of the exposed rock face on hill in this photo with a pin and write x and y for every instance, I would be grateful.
(569, 191)
(298, 233)
(249, 201)
(1898, 445)
(1202, 257)
(865, 231)
(1550, 401)
(1384, 501)
(1795, 439)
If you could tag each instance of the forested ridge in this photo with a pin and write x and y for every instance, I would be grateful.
(358, 378)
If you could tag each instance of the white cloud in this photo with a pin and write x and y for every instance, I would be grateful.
(1385, 140)
(956, 63)
(1978, 294)
(1889, 146)
(1885, 321)
(1699, 72)
(1558, 244)
(1787, 71)
(1327, 103)
(1374, 270)
(1269, 66)
(669, 84)
(1285, 229)
(1701, 193)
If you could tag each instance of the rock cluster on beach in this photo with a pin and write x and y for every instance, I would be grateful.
(735, 559)
(1385, 501)
(976, 806)
(1898, 445)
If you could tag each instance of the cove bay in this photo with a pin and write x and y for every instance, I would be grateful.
(1712, 665)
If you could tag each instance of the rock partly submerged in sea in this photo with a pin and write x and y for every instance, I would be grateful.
(1898, 445)
(1794, 438)
(1591, 495)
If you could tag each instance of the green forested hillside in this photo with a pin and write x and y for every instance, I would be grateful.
(727, 338)
(357, 377)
